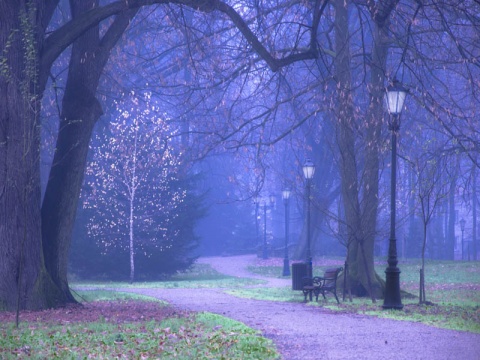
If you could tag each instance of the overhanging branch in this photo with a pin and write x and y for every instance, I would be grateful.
(61, 38)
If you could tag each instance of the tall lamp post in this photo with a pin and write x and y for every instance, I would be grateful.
(308, 172)
(462, 227)
(286, 265)
(395, 98)
(265, 245)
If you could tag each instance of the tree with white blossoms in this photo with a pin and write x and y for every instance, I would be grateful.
(129, 177)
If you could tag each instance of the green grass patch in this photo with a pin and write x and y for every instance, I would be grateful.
(200, 276)
(201, 336)
(441, 272)
(453, 286)
(185, 336)
(109, 295)
(447, 316)
(267, 271)
(199, 272)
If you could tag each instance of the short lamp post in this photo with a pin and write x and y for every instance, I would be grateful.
(286, 265)
(395, 98)
(265, 244)
(308, 172)
(462, 227)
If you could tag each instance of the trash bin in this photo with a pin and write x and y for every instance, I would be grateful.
(299, 271)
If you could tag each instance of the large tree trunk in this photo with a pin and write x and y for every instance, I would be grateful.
(24, 283)
(373, 128)
(23, 274)
(360, 204)
(80, 112)
(346, 145)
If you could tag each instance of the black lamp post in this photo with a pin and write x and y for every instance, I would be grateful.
(395, 98)
(286, 265)
(265, 245)
(308, 172)
(462, 227)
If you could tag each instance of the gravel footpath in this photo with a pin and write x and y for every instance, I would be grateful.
(305, 332)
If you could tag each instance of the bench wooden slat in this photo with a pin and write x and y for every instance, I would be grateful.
(320, 285)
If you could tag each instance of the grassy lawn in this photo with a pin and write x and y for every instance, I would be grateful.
(453, 286)
(184, 336)
(199, 276)
(129, 326)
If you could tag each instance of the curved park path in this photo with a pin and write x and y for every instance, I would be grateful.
(306, 332)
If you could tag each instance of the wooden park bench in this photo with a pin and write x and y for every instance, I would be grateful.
(320, 285)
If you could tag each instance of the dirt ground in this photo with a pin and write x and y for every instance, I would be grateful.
(305, 332)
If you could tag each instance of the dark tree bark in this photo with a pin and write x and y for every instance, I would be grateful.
(24, 67)
(361, 200)
(24, 282)
(347, 153)
(80, 112)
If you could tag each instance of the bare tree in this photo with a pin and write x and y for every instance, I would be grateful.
(431, 189)
(387, 38)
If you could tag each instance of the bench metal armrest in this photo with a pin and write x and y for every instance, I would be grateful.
(316, 281)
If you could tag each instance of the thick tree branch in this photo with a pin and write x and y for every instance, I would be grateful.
(113, 34)
(274, 63)
(60, 39)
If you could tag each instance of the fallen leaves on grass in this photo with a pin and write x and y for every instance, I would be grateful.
(110, 311)
(128, 330)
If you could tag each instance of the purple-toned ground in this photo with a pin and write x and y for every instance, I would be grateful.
(301, 331)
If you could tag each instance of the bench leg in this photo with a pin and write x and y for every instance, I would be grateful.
(307, 292)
